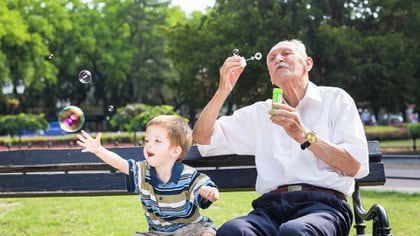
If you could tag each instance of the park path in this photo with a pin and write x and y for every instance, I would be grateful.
(402, 172)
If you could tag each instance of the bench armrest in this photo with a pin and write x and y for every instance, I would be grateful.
(376, 213)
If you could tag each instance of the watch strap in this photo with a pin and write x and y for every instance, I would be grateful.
(304, 145)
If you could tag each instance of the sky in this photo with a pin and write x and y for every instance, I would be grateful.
(192, 5)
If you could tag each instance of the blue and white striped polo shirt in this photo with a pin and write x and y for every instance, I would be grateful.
(169, 206)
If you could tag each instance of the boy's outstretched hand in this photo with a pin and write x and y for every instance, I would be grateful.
(88, 143)
(209, 193)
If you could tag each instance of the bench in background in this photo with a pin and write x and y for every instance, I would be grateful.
(69, 172)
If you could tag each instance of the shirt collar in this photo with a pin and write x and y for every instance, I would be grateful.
(313, 92)
(176, 173)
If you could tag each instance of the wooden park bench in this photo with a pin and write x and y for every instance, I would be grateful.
(69, 172)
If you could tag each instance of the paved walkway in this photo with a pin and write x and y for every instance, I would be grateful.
(396, 169)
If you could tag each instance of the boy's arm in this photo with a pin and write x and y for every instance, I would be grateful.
(94, 146)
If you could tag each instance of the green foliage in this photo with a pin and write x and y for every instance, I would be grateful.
(351, 45)
(414, 130)
(134, 117)
(12, 124)
(387, 132)
(144, 51)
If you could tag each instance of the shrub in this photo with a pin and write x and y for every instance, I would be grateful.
(387, 132)
(414, 130)
(13, 124)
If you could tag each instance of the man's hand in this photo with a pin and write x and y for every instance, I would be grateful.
(288, 118)
(230, 72)
(88, 143)
(209, 193)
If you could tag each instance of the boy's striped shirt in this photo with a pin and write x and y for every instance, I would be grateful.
(169, 206)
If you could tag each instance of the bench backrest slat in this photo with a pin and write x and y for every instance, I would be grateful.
(69, 172)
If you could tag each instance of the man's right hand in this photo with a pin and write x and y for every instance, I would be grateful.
(230, 72)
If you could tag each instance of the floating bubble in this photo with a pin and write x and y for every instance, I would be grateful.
(111, 108)
(51, 56)
(71, 119)
(85, 76)
(257, 57)
(235, 52)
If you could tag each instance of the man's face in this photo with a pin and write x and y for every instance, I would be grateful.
(286, 63)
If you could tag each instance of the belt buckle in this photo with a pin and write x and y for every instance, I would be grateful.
(293, 188)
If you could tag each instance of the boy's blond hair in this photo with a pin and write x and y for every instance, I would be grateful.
(179, 133)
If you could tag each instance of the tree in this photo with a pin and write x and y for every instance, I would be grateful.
(134, 117)
(23, 51)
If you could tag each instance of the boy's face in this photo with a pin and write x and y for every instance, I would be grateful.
(157, 147)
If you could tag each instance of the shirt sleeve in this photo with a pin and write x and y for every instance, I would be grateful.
(348, 132)
(131, 179)
(235, 134)
(198, 181)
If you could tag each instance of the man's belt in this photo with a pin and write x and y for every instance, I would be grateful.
(307, 187)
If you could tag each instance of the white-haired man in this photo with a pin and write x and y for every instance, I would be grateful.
(308, 149)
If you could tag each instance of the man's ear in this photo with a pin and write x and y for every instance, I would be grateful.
(309, 63)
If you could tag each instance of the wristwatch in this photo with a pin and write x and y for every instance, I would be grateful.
(310, 139)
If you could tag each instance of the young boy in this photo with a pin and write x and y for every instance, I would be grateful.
(171, 192)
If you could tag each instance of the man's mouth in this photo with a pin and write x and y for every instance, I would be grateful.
(282, 66)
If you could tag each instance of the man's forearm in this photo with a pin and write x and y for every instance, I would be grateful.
(335, 156)
(204, 126)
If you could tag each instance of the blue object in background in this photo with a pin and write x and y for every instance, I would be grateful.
(53, 130)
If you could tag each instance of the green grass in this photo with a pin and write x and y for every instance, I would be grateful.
(380, 128)
(122, 215)
(398, 143)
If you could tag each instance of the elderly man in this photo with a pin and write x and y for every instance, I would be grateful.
(308, 149)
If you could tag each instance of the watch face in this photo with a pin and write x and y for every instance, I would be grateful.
(311, 137)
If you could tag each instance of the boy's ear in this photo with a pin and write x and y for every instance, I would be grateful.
(176, 150)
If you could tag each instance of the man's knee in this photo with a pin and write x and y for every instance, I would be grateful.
(233, 227)
(229, 228)
(294, 229)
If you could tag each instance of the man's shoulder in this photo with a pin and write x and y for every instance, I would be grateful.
(331, 90)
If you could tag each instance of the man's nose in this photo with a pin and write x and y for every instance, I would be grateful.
(279, 58)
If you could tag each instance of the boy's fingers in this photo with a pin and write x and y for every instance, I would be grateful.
(81, 138)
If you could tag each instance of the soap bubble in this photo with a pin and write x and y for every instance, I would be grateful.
(235, 52)
(257, 57)
(111, 108)
(71, 119)
(85, 76)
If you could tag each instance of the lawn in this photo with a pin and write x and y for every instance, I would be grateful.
(122, 215)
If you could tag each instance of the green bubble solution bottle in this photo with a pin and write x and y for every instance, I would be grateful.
(277, 95)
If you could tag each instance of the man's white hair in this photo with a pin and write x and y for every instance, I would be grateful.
(295, 44)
